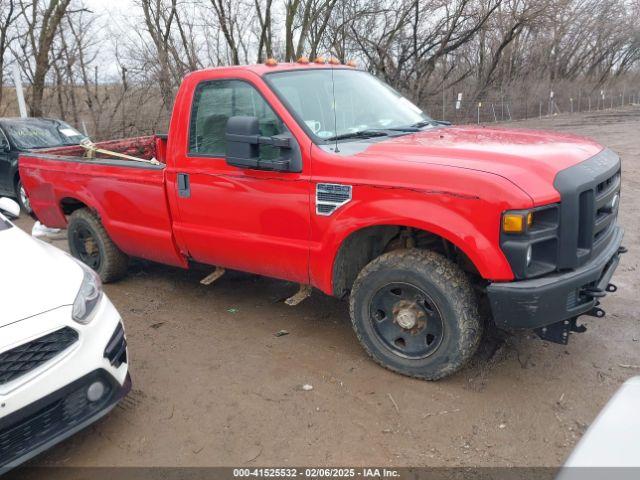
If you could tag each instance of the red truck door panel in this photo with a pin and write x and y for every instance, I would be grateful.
(248, 220)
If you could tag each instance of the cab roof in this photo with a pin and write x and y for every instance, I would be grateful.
(262, 69)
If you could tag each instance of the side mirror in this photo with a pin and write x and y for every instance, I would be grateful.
(9, 207)
(242, 135)
(243, 147)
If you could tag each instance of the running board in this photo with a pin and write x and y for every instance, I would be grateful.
(303, 293)
(212, 277)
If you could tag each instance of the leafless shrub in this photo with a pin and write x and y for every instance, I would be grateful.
(504, 56)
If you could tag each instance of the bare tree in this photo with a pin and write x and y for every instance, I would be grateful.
(227, 12)
(265, 41)
(424, 48)
(9, 11)
(159, 16)
(41, 20)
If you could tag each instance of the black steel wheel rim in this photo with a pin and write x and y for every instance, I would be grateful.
(86, 247)
(406, 320)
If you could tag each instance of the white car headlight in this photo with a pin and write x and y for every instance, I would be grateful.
(88, 296)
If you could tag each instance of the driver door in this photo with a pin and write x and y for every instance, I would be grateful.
(249, 220)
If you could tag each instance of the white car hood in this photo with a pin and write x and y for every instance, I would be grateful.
(612, 442)
(34, 276)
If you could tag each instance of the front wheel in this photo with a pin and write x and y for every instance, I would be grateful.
(90, 243)
(415, 313)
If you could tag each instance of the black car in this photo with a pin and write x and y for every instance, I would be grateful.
(23, 134)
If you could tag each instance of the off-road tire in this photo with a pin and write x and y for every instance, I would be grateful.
(449, 289)
(113, 262)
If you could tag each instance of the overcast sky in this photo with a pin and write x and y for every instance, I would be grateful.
(115, 7)
(113, 15)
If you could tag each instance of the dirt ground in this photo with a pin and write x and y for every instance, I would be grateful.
(214, 386)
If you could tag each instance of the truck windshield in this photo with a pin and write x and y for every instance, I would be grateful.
(362, 103)
(35, 133)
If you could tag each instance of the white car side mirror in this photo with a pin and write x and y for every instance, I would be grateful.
(9, 207)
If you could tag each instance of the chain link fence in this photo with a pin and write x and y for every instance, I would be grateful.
(454, 107)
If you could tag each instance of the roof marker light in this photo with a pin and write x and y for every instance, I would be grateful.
(334, 61)
(303, 60)
(320, 60)
(271, 62)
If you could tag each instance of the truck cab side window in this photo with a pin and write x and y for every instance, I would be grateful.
(214, 102)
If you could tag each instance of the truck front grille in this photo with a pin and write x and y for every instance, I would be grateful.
(22, 359)
(607, 197)
(590, 193)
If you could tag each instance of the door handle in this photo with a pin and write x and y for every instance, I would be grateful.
(184, 189)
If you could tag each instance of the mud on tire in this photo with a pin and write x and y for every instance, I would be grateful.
(90, 243)
(424, 292)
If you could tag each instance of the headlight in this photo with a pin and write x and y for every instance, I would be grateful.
(88, 296)
(529, 239)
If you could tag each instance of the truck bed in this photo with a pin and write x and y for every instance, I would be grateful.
(147, 148)
(129, 196)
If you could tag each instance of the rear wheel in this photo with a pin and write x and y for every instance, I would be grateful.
(90, 243)
(23, 199)
(415, 313)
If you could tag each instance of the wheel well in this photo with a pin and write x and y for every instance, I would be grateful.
(364, 245)
(70, 205)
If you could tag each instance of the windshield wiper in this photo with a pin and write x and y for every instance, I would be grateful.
(422, 123)
(358, 134)
(409, 129)
(415, 127)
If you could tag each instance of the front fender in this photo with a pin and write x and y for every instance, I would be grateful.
(470, 222)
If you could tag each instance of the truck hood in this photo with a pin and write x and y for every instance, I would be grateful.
(36, 277)
(529, 158)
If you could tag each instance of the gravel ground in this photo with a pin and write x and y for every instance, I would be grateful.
(213, 385)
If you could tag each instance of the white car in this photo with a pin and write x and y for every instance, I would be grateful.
(63, 351)
(611, 446)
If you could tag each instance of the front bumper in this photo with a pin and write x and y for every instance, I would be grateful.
(49, 403)
(530, 304)
(41, 425)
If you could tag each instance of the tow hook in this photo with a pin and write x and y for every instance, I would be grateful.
(596, 312)
(593, 292)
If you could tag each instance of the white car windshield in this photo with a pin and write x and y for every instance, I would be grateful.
(362, 103)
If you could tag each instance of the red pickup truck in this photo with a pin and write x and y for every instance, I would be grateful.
(320, 174)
